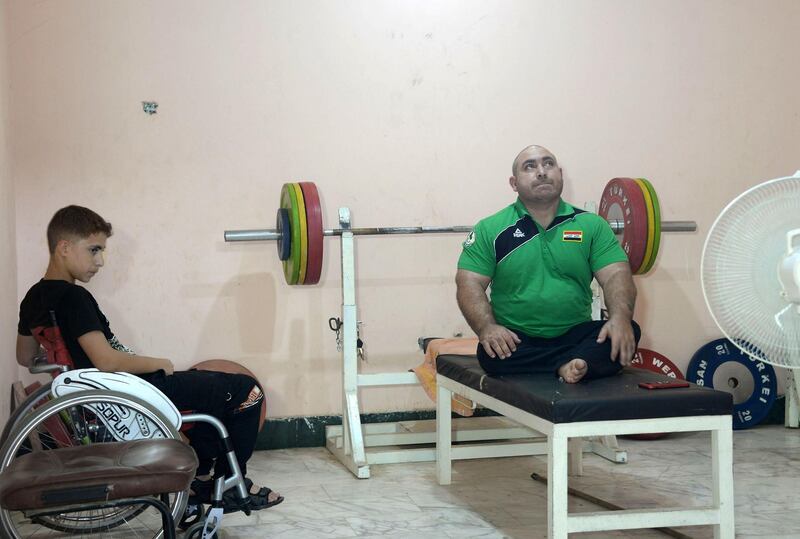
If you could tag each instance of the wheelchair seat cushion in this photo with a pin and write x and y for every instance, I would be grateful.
(97, 472)
(613, 398)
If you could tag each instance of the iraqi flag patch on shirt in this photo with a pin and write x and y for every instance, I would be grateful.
(573, 235)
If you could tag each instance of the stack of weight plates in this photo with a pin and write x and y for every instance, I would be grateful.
(299, 223)
(634, 202)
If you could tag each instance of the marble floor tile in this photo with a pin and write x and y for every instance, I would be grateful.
(426, 523)
(496, 498)
(301, 529)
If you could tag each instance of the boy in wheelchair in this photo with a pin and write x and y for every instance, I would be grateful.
(76, 238)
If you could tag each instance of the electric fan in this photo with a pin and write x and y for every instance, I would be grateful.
(750, 272)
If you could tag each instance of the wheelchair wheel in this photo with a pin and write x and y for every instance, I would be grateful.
(30, 403)
(82, 417)
(196, 532)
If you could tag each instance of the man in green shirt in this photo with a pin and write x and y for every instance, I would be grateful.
(540, 255)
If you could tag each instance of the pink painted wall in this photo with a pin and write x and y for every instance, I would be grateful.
(8, 266)
(407, 112)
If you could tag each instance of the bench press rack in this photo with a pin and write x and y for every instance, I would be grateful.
(358, 445)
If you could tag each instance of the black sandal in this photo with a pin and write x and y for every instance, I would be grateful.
(231, 501)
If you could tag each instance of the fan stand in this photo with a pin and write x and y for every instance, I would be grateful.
(792, 419)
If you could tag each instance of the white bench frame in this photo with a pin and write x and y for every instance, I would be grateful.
(358, 445)
(559, 521)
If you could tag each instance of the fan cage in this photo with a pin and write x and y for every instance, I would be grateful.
(739, 272)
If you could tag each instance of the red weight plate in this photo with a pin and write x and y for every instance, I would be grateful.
(314, 228)
(655, 362)
(623, 199)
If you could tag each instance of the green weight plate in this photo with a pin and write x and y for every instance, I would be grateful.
(301, 213)
(291, 266)
(657, 221)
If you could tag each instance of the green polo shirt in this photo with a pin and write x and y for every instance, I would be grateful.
(540, 278)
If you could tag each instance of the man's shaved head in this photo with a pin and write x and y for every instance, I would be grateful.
(515, 164)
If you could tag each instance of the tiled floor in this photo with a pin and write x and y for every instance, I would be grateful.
(497, 498)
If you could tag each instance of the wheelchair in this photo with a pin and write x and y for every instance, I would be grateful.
(114, 426)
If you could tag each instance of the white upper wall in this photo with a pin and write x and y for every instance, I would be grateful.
(407, 112)
(8, 268)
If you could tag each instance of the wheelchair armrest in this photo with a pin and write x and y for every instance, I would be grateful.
(41, 365)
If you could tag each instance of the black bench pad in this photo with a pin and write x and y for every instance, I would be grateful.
(614, 398)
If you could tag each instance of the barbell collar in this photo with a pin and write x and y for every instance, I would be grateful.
(252, 235)
(617, 226)
(678, 226)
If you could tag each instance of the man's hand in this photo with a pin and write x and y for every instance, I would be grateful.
(168, 367)
(620, 295)
(498, 341)
(623, 343)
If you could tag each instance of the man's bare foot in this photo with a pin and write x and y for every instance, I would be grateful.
(573, 371)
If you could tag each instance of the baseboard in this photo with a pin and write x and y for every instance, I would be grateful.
(287, 432)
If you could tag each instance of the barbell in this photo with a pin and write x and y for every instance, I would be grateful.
(630, 205)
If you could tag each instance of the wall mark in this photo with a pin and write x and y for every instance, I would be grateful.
(149, 107)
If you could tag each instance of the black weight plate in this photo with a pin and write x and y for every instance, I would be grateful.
(284, 227)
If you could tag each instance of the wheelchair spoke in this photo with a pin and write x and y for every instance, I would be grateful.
(144, 523)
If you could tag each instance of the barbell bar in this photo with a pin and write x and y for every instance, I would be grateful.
(630, 206)
(269, 234)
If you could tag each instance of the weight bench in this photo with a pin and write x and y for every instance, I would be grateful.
(614, 405)
(81, 478)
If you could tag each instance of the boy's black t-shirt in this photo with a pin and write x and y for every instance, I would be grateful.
(76, 312)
